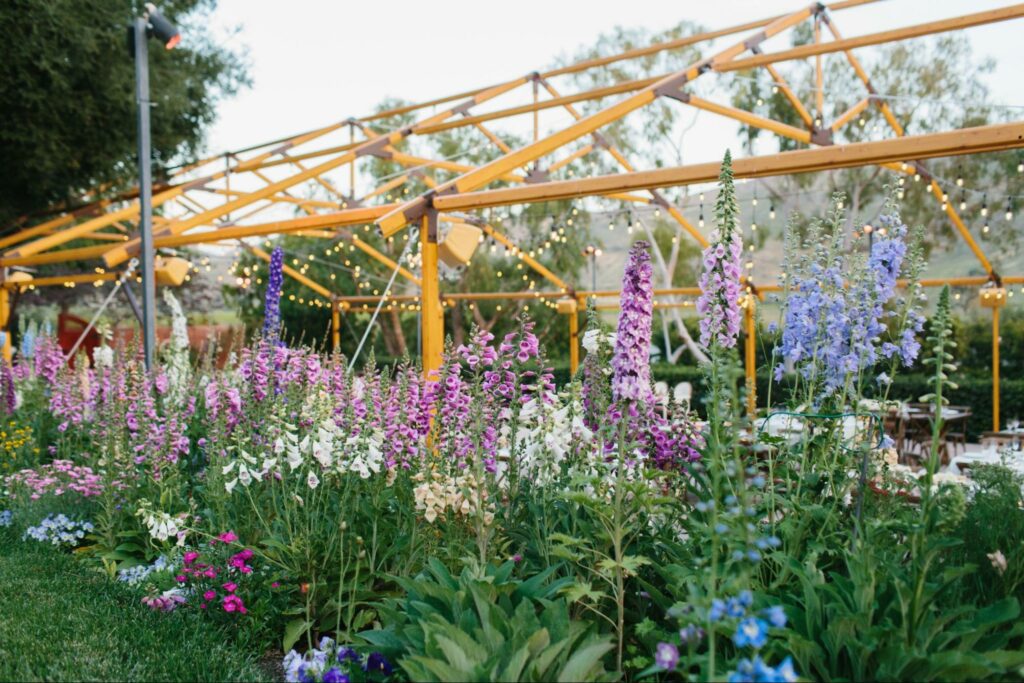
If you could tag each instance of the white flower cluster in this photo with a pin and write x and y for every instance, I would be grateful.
(103, 356)
(326, 450)
(59, 530)
(139, 573)
(463, 495)
(248, 469)
(179, 367)
(161, 525)
(545, 438)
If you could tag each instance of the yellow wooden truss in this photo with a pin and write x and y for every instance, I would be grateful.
(208, 207)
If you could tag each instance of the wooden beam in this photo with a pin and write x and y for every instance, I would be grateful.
(485, 174)
(966, 141)
(906, 33)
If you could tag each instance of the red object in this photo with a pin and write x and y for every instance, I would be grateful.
(69, 329)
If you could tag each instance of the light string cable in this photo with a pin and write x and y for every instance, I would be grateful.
(414, 237)
(132, 265)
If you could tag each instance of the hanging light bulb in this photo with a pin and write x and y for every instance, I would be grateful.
(771, 211)
(1009, 210)
(963, 201)
(959, 177)
(700, 219)
(984, 206)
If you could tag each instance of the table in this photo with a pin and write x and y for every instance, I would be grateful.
(917, 428)
(1013, 459)
(1005, 437)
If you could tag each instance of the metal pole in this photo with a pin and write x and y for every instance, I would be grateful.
(145, 193)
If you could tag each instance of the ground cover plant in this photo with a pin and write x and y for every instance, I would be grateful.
(484, 523)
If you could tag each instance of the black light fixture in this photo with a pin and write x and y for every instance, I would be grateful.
(161, 28)
(155, 25)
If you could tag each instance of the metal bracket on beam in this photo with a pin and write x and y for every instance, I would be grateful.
(658, 199)
(753, 42)
(673, 88)
(431, 225)
(375, 148)
(600, 140)
(821, 136)
(464, 107)
(537, 175)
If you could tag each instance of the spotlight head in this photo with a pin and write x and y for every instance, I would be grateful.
(161, 28)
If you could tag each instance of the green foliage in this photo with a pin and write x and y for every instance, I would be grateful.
(994, 523)
(68, 76)
(63, 622)
(486, 625)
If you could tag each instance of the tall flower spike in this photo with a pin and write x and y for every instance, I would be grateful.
(272, 305)
(631, 362)
(719, 302)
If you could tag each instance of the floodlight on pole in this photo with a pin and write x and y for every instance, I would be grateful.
(162, 29)
(154, 24)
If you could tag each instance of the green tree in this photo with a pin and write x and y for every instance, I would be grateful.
(68, 99)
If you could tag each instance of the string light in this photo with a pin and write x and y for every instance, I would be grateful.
(1009, 209)
(984, 206)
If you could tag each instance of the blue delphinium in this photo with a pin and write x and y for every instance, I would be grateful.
(776, 616)
(756, 670)
(836, 316)
(751, 632)
(6, 518)
(272, 302)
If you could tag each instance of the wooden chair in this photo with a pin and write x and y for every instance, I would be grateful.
(957, 432)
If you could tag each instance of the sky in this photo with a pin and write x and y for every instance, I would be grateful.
(314, 62)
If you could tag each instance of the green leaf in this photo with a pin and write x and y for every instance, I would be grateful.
(584, 661)
(293, 631)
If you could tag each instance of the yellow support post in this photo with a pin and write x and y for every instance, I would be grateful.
(750, 355)
(5, 315)
(335, 324)
(994, 298)
(570, 308)
(995, 368)
(574, 345)
(431, 314)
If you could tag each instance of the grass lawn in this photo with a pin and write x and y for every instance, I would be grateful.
(61, 622)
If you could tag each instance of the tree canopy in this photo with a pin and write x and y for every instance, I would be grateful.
(68, 99)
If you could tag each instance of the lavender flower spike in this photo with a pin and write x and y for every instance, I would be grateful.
(631, 360)
(272, 305)
(720, 280)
